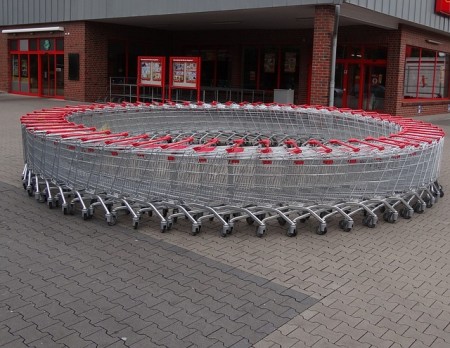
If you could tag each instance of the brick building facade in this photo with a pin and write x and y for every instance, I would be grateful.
(309, 47)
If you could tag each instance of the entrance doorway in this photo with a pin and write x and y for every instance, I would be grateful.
(52, 75)
(360, 86)
(37, 67)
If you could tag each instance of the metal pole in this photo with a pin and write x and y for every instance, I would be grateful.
(337, 12)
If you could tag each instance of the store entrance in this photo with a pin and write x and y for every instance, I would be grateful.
(360, 86)
(52, 75)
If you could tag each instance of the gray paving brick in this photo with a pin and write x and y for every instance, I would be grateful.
(16, 323)
(223, 336)
(154, 332)
(101, 338)
(6, 336)
(199, 340)
(16, 344)
(30, 333)
(47, 341)
(84, 328)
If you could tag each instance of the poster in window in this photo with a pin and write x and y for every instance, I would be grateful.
(290, 62)
(151, 71)
(269, 63)
(185, 72)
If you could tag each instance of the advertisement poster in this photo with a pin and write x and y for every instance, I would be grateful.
(290, 62)
(269, 62)
(151, 71)
(185, 72)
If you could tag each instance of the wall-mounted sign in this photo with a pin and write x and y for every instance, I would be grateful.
(443, 7)
(151, 71)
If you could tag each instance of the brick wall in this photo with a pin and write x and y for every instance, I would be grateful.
(74, 42)
(321, 53)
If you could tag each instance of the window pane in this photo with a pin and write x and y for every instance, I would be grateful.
(60, 44)
(13, 45)
(269, 68)
(47, 44)
(426, 74)
(410, 84)
(33, 44)
(15, 73)
(250, 67)
(23, 45)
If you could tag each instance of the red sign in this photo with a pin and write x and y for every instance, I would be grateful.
(443, 7)
(184, 73)
(151, 71)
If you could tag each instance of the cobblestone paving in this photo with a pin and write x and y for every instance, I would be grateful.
(75, 283)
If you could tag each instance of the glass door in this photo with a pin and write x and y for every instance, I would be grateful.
(47, 75)
(374, 87)
(353, 86)
(347, 89)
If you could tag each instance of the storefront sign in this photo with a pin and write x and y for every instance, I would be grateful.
(151, 71)
(185, 72)
(443, 7)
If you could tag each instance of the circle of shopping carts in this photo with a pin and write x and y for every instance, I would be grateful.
(248, 162)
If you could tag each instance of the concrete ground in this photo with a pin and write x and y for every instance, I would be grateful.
(65, 282)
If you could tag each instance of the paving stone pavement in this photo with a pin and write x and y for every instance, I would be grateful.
(65, 282)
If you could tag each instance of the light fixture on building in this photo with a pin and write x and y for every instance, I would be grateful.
(31, 30)
(434, 42)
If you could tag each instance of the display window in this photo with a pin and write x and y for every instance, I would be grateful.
(426, 74)
(269, 68)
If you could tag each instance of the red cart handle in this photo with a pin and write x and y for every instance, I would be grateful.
(339, 142)
(317, 143)
(237, 147)
(292, 144)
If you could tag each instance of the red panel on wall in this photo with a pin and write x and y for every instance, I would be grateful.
(443, 7)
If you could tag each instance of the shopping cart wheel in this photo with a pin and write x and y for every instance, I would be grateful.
(169, 224)
(195, 230)
(163, 227)
(406, 213)
(281, 221)
(291, 232)
(30, 191)
(260, 231)
(345, 225)
(389, 216)
(112, 219)
(135, 224)
(428, 202)
(85, 215)
(369, 221)
(321, 230)
(65, 210)
(418, 208)
(225, 231)
(51, 204)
